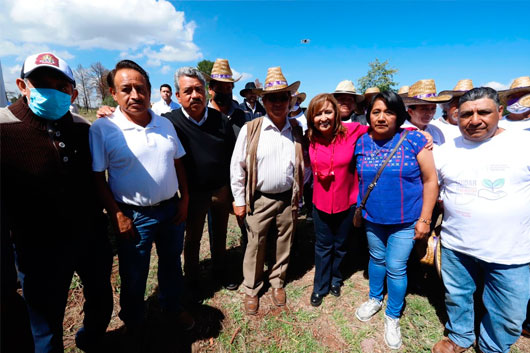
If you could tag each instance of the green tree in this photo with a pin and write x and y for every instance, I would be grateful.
(108, 100)
(379, 75)
(205, 66)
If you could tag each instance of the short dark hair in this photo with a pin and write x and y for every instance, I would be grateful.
(127, 64)
(165, 85)
(478, 93)
(394, 102)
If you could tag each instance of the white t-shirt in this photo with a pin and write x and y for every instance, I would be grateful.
(449, 131)
(302, 120)
(140, 161)
(514, 124)
(437, 134)
(161, 107)
(485, 188)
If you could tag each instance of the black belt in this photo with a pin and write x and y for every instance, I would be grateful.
(279, 196)
(150, 207)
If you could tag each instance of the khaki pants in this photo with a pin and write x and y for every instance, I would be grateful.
(219, 202)
(269, 211)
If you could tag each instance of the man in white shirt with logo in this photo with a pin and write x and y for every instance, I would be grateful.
(485, 188)
(142, 154)
(165, 104)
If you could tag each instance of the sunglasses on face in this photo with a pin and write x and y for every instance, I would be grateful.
(278, 98)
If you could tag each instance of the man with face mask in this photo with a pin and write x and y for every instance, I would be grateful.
(49, 207)
(519, 115)
(220, 88)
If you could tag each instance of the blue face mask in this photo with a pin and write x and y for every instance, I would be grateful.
(49, 103)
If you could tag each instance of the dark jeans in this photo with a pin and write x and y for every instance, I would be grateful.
(331, 231)
(45, 271)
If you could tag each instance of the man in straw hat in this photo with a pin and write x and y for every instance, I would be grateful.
(267, 171)
(485, 189)
(421, 103)
(348, 99)
(519, 115)
(448, 123)
(251, 106)
(221, 84)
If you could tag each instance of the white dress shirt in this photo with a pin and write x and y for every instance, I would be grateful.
(161, 107)
(275, 161)
(200, 122)
(438, 137)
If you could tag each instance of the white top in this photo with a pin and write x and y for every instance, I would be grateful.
(161, 107)
(250, 107)
(437, 134)
(449, 130)
(302, 120)
(140, 161)
(275, 159)
(485, 188)
(514, 124)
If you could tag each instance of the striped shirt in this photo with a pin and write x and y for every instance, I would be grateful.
(275, 161)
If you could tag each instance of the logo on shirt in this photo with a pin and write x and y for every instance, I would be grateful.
(492, 189)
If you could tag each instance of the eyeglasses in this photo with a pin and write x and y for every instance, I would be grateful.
(278, 98)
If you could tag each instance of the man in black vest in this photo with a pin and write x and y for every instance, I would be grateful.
(251, 105)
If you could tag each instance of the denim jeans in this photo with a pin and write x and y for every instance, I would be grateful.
(506, 293)
(154, 224)
(331, 231)
(390, 247)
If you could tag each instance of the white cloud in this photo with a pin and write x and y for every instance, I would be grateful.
(244, 75)
(497, 85)
(165, 69)
(11, 73)
(135, 27)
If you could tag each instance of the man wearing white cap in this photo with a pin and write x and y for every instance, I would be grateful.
(519, 115)
(348, 98)
(49, 207)
(266, 172)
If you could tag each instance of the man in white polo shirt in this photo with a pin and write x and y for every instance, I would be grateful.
(485, 189)
(142, 155)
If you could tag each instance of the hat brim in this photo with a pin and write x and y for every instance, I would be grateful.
(429, 100)
(244, 91)
(293, 87)
(358, 97)
(209, 78)
(452, 93)
(503, 95)
(303, 96)
(525, 101)
(42, 66)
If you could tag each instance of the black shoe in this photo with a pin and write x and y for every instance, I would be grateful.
(335, 291)
(230, 285)
(316, 299)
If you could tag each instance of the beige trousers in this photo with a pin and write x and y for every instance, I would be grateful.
(219, 202)
(268, 212)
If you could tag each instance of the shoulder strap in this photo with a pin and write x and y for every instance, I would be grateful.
(7, 117)
(376, 178)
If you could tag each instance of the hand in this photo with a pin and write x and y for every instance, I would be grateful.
(124, 227)
(421, 230)
(428, 136)
(240, 212)
(182, 211)
(104, 111)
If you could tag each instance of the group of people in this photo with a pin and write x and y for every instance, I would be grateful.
(376, 158)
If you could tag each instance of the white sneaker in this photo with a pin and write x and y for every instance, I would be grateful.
(368, 309)
(392, 333)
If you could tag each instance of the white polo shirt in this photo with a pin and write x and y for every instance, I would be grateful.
(139, 160)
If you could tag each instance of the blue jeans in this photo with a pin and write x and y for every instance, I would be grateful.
(506, 293)
(390, 247)
(331, 231)
(154, 224)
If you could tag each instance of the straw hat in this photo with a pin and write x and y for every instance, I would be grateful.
(221, 72)
(424, 92)
(520, 84)
(275, 82)
(525, 101)
(347, 87)
(297, 95)
(403, 91)
(460, 89)
(370, 92)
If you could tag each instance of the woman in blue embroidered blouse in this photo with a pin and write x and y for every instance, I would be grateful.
(399, 208)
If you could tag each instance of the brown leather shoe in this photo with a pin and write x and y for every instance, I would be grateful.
(251, 304)
(279, 298)
(446, 345)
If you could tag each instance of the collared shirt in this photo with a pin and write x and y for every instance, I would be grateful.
(161, 107)
(200, 122)
(253, 110)
(438, 137)
(275, 161)
(139, 160)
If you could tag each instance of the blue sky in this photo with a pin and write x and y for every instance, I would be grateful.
(486, 41)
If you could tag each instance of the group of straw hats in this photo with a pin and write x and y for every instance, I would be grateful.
(421, 92)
